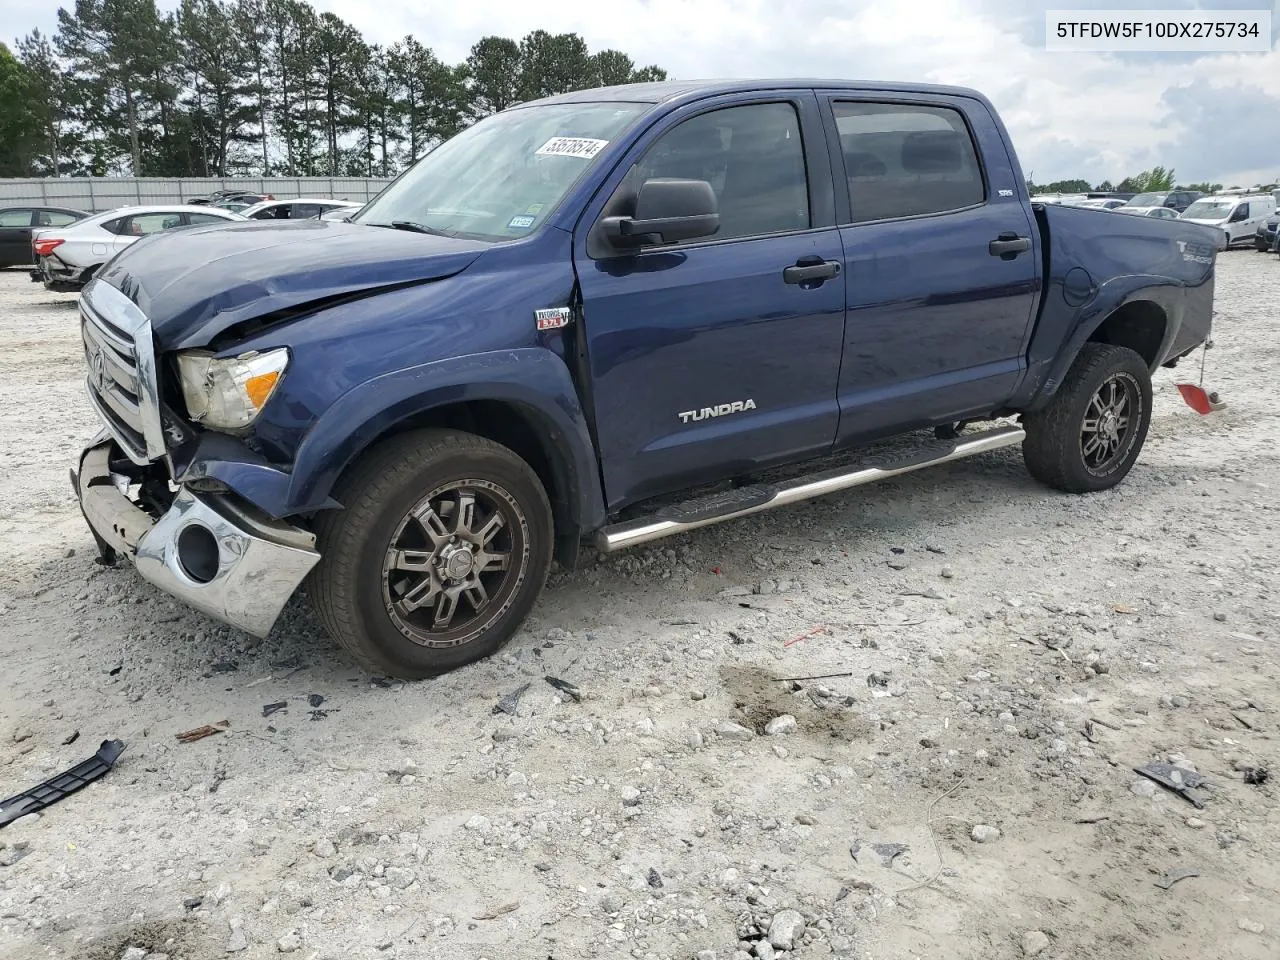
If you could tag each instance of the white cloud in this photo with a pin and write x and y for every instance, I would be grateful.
(1070, 114)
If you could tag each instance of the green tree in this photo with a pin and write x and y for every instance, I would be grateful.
(409, 63)
(610, 68)
(20, 127)
(649, 74)
(494, 71)
(218, 69)
(1157, 178)
(120, 56)
(341, 54)
(47, 94)
(249, 20)
(551, 64)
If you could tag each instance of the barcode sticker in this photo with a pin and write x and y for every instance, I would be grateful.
(583, 147)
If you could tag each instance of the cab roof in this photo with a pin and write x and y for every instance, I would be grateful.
(669, 90)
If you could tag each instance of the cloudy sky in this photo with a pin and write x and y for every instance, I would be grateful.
(1210, 117)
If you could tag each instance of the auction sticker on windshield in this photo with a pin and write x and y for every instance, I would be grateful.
(583, 147)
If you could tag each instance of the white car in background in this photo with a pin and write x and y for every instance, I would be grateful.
(67, 257)
(299, 208)
(1238, 216)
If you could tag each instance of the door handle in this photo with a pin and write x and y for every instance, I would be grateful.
(807, 271)
(1008, 245)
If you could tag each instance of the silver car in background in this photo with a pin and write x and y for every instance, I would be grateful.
(298, 208)
(67, 257)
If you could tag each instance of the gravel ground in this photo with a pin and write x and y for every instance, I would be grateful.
(1007, 656)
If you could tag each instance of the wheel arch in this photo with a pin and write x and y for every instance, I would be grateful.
(1146, 319)
(523, 399)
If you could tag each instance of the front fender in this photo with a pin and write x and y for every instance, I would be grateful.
(533, 378)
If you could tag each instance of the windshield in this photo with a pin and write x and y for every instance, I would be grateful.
(1209, 210)
(500, 178)
(1147, 200)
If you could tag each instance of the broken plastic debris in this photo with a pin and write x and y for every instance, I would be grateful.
(269, 708)
(887, 852)
(565, 687)
(63, 784)
(509, 702)
(1178, 779)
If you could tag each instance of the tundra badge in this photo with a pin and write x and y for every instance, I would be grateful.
(738, 406)
(553, 318)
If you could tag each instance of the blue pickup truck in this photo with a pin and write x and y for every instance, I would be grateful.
(612, 315)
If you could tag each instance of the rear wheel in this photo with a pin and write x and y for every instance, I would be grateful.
(441, 551)
(1091, 432)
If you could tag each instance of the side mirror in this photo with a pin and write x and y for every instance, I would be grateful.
(668, 210)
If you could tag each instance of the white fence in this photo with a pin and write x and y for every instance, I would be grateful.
(95, 194)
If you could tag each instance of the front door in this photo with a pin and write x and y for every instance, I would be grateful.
(941, 264)
(710, 358)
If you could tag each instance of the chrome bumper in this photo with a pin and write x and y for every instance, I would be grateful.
(206, 550)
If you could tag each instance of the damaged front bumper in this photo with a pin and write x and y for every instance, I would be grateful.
(211, 551)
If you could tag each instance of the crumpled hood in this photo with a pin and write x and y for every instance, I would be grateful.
(197, 282)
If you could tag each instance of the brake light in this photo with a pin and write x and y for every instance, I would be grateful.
(45, 247)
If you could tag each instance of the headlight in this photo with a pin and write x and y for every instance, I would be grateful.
(228, 394)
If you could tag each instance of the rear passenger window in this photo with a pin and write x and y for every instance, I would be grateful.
(54, 218)
(753, 159)
(905, 160)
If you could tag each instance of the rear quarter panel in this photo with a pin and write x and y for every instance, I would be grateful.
(1096, 261)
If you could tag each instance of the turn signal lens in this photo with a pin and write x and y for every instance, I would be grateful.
(259, 388)
(45, 247)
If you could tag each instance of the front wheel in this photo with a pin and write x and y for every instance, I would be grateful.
(442, 548)
(1089, 435)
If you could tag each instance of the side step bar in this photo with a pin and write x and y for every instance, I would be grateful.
(744, 501)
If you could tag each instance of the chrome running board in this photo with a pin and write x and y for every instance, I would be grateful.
(755, 498)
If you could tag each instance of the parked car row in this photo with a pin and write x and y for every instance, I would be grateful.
(1240, 217)
(68, 246)
(17, 224)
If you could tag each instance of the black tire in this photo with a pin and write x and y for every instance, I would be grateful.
(363, 604)
(1061, 451)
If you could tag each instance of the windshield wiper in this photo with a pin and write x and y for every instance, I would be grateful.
(413, 227)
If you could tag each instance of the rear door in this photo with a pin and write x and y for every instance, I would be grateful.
(15, 236)
(709, 358)
(940, 258)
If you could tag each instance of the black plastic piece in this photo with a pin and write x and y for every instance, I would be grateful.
(63, 784)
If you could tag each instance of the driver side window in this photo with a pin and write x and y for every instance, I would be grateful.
(752, 157)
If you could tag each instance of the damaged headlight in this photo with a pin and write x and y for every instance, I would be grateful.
(229, 394)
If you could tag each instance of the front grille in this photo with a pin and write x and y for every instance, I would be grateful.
(121, 371)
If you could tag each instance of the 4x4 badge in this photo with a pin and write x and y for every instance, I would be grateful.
(553, 318)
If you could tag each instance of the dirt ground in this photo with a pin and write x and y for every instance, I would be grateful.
(1005, 656)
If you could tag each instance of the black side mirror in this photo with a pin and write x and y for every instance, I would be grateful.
(668, 210)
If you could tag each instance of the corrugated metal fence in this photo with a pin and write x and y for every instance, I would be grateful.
(95, 194)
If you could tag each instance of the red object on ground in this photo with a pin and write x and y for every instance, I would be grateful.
(1196, 398)
(820, 628)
